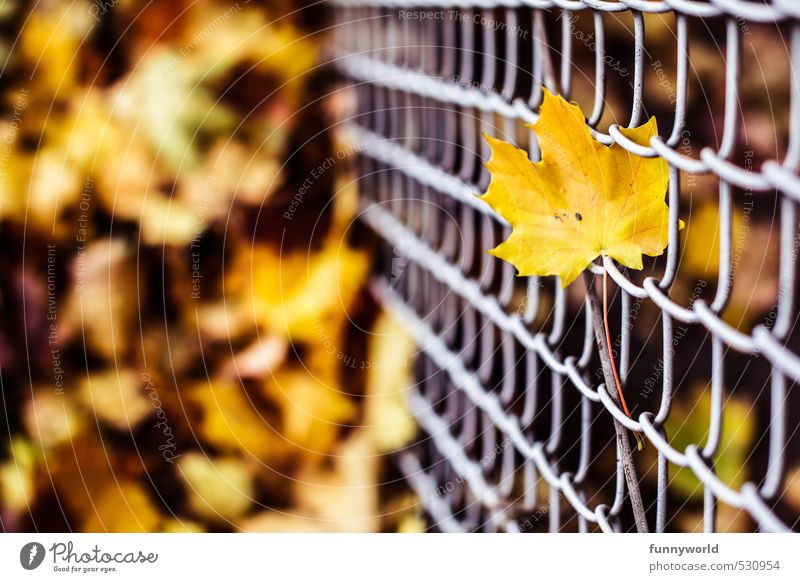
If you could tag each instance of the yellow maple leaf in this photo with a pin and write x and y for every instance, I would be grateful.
(582, 200)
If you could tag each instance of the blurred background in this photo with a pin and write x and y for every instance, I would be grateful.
(182, 344)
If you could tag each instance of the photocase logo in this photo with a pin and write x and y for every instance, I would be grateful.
(31, 555)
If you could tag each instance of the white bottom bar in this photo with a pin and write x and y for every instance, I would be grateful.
(401, 558)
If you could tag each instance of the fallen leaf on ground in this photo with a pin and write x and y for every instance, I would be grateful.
(390, 359)
(217, 489)
(116, 398)
(230, 421)
(124, 506)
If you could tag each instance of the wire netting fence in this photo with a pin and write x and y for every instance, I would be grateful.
(516, 423)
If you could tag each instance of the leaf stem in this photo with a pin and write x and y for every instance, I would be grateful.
(639, 439)
(624, 447)
(608, 343)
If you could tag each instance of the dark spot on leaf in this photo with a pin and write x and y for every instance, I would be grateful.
(578, 216)
(556, 216)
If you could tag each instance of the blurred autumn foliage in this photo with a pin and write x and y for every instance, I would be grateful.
(179, 297)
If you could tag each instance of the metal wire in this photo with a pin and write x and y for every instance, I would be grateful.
(484, 365)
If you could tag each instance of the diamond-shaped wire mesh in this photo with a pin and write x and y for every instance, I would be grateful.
(517, 424)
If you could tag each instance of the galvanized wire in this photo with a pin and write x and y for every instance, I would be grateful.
(418, 123)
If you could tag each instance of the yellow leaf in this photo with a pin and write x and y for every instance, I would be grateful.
(180, 525)
(86, 454)
(51, 42)
(312, 412)
(218, 489)
(52, 419)
(123, 507)
(231, 422)
(166, 221)
(166, 99)
(792, 495)
(116, 398)
(729, 520)
(54, 186)
(234, 171)
(260, 358)
(688, 424)
(412, 524)
(700, 256)
(343, 497)
(388, 366)
(284, 289)
(222, 321)
(283, 522)
(582, 200)
(242, 37)
(754, 256)
(102, 305)
(17, 483)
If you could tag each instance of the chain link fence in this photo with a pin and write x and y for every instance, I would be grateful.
(516, 424)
